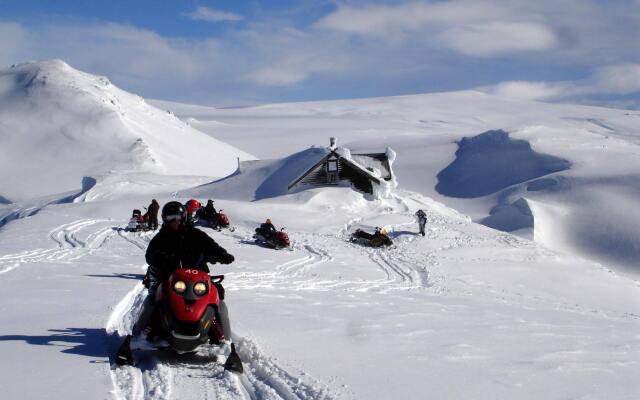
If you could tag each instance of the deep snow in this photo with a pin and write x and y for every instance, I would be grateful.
(465, 312)
(593, 207)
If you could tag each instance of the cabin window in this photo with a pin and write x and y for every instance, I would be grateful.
(332, 166)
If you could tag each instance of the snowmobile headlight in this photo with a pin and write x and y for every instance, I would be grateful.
(180, 286)
(200, 288)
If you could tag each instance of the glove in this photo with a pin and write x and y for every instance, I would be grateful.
(226, 258)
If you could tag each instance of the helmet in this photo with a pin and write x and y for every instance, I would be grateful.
(171, 209)
(192, 206)
(209, 201)
(268, 220)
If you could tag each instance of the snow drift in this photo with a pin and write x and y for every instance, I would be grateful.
(59, 124)
(600, 145)
(493, 161)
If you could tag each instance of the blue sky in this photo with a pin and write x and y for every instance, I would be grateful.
(247, 52)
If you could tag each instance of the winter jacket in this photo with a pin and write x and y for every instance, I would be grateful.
(267, 229)
(209, 211)
(187, 246)
(153, 208)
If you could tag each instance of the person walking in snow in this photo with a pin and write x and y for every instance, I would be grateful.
(179, 244)
(152, 214)
(422, 220)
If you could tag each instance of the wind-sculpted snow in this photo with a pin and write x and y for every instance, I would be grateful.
(264, 179)
(597, 144)
(329, 319)
(89, 127)
(492, 161)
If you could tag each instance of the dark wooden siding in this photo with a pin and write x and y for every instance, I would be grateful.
(318, 177)
(358, 181)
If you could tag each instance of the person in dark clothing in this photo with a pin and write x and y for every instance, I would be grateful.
(209, 209)
(267, 229)
(422, 220)
(152, 214)
(208, 213)
(179, 245)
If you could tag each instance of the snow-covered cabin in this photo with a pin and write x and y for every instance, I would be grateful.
(367, 172)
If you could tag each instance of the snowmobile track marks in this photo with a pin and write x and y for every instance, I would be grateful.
(69, 246)
(163, 375)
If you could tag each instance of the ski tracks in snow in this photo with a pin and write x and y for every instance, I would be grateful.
(70, 244)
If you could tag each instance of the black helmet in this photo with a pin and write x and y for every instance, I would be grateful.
(172, 209)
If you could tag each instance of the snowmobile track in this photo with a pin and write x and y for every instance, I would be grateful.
(163, 375)
(139, 240)
(69, 246)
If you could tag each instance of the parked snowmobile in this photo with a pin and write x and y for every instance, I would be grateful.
(275, 240)
(218, 221)
(377, 239)
(138, 222)
(186, 316)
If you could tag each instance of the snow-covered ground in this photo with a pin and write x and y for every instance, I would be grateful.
(464, 312)
(589, 209)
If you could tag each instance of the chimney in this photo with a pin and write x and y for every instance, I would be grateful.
(332, 143)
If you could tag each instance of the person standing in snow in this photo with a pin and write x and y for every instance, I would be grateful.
(422, 220)
(179, 244)
(152, 214)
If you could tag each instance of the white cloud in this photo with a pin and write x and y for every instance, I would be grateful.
(496, 38)
(381, 20)
(617, 79)
(472, 28)
(397, 48)
(523, 90)
(211, 15)
(621, 79)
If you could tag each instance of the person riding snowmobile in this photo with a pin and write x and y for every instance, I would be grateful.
(208, 213)
(179, 245)
(267, 229)
(209, 210)
(192, 206)
(422, 220)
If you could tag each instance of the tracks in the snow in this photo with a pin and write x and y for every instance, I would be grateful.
(73, 240)
(164, 375)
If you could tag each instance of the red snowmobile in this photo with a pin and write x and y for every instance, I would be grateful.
(274, 240)
(186, 316)
(218, 221)
(377, 239)
(138, 222)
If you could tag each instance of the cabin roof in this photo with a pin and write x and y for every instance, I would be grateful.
(359, 161)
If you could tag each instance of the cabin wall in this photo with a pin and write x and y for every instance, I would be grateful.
(358, 181)
(318, 177)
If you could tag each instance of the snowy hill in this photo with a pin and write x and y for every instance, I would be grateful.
(464, 312)
(564, 175)
(59, 125)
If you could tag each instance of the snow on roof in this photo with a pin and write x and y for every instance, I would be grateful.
(265, 178)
